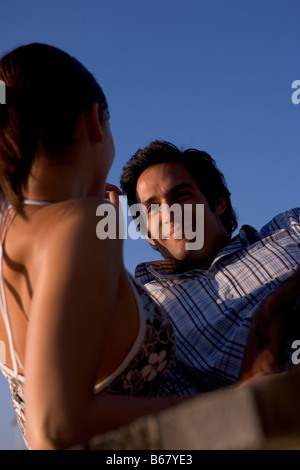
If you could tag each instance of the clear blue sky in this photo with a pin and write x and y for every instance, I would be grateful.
(210, 74)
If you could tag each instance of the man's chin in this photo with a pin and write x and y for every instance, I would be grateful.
(185, 256)
(178, 251)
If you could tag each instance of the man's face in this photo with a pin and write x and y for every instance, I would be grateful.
(171, 183)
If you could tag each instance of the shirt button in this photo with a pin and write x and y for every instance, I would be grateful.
(229, 296)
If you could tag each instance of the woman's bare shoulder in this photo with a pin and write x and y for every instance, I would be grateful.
(79, 214)
(71, 209)
(73, 225)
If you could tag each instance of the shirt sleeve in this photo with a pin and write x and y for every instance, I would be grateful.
(289, 220)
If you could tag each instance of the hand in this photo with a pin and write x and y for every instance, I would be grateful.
(275, 320)
(257, 361)
(112, 193)
(257, 379)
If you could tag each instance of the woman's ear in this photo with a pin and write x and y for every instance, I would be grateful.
(220, 205)
(95, 127)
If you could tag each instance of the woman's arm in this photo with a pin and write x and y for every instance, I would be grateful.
(73, 299)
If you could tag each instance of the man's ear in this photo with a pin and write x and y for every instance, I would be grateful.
(95, 127)
(220, 205)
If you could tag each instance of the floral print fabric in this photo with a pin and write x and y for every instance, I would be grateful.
(141, 377)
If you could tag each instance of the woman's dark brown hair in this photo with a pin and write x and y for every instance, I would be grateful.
(46, 91)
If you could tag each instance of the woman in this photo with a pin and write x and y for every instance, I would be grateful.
(74, 323)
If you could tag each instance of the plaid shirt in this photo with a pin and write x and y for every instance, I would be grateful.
(212, 310)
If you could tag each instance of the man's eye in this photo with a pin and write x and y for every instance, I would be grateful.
(153, 208)
(181, 195)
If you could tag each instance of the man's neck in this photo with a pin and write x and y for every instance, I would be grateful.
(187, 265)
(172, 266)
(203, 262)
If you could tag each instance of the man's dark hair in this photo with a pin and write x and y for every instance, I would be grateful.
(200, 165)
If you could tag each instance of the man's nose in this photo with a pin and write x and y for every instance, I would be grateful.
(166, 213)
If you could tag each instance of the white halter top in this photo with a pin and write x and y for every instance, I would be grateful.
(16, 362)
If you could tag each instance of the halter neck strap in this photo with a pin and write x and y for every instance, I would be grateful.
(36, 202)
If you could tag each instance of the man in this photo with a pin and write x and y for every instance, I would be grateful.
(212, 292)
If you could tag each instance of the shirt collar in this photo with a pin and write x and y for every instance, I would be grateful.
(166, 268)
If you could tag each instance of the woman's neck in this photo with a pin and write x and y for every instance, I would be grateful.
(54, 183)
